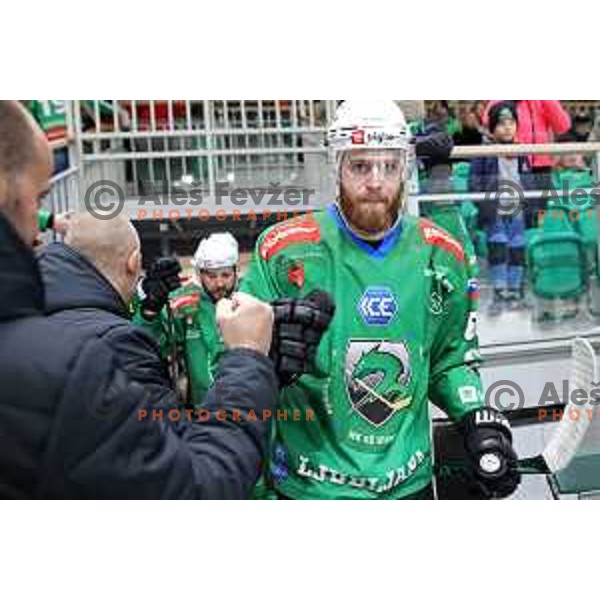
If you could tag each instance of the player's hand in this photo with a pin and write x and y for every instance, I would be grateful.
(161, 279)
(299, 327)
(61, 222)
(488, 442)
(245, 322)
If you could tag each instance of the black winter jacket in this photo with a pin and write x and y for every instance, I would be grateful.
(72, 385)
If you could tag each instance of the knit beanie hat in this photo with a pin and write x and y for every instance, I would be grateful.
(507, 109)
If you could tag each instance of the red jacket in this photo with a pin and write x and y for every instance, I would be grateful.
(539, 120)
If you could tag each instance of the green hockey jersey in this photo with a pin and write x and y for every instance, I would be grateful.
(189, 328)
(404, 332)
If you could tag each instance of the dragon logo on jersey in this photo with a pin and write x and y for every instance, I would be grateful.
(377, 378)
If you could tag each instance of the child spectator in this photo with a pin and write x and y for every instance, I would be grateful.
(539, 122)
(504, 224)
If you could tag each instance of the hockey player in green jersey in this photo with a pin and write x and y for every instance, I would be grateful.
(404, 332)
(186, 325)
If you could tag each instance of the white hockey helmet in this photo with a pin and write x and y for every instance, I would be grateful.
(368, 124)
(217, 251)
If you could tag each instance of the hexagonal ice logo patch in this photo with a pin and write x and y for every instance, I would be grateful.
(377, 306)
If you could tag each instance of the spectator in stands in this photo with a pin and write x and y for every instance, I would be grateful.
(471, 131)
(573, 161)
(504, 223)
(479, 107)
(539, 122)
(441, 114)
(433, 144)
(583, 122)
(595, 133)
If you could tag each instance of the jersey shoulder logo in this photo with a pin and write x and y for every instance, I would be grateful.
(295, 275)
(184, 303)
(436, 236)
(377, 306)
(295, 232)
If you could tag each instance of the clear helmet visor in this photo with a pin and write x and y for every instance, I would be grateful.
(369, 165)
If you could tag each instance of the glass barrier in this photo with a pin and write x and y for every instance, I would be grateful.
(534, 233)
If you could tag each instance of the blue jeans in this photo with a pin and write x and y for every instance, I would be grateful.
(506, 252)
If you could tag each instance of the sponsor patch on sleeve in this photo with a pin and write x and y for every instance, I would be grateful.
(434, 235)
(286, 234)
(468, 394)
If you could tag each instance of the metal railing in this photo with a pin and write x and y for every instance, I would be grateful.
(151, 146)
(143, 144)
(65, 188)
(64, 191)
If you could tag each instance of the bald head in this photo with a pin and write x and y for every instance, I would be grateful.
(113, 246)
(25, 168)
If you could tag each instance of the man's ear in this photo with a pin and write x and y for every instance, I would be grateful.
(134, 262)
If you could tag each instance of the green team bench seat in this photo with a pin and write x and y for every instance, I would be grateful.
(586, 223)
(581, 220)
(460, 176)
(557, 266)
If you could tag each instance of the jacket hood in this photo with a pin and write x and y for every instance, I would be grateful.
(71, 281)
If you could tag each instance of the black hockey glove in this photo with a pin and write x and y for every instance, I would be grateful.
(297, 331)
(161, 279)
(488, 442)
